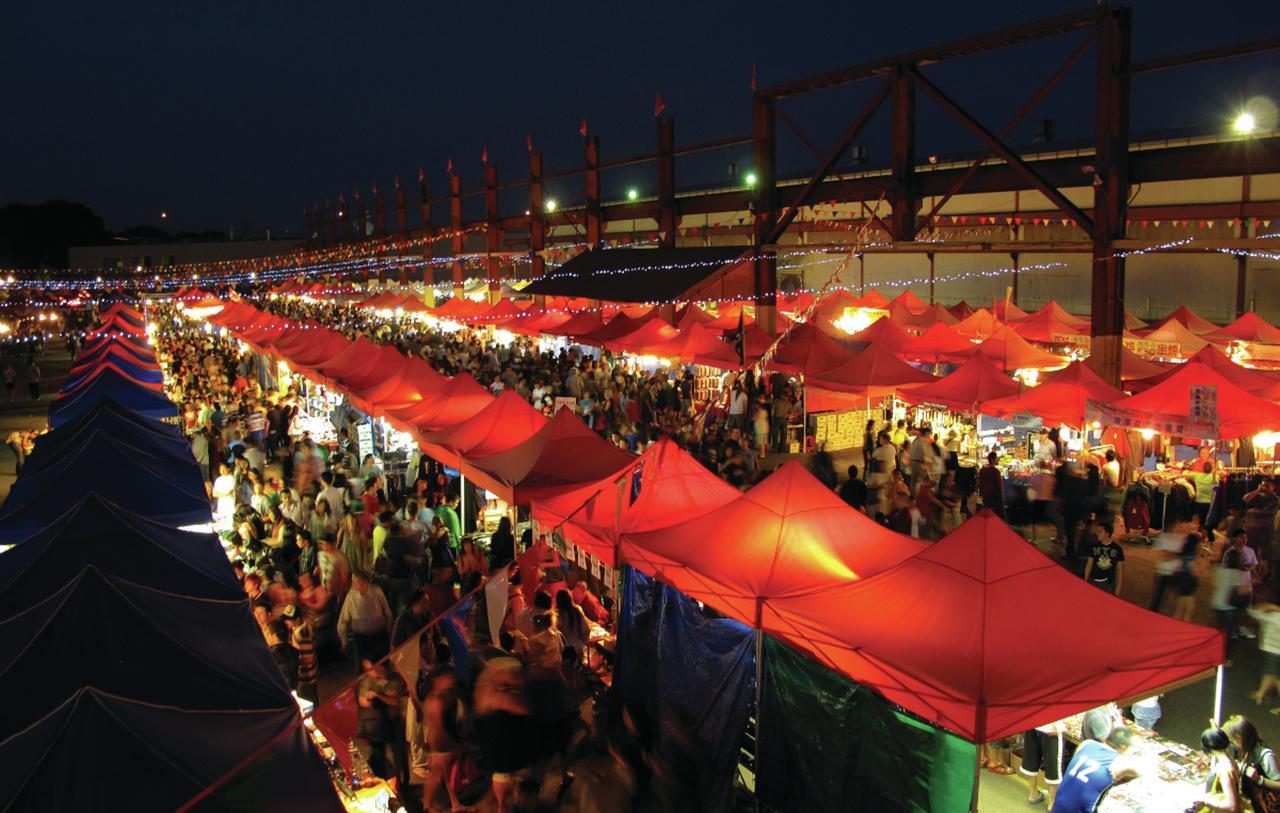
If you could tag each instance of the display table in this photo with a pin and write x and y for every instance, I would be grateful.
(1171, 778)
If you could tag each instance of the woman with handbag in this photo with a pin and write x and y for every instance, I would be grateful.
(1260, 773)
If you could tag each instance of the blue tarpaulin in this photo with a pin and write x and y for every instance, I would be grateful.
(673, 659)
(110, 384)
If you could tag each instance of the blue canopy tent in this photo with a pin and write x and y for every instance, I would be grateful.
(110, 384)
(157, 758)
(147, 375)
(94, 443)
(108, 416)
(110, 347)
(96, 533)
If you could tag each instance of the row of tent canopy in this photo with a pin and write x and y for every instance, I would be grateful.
(839, 375)
(135, 673)
(502, 443)
(941, 630)
(935, 629)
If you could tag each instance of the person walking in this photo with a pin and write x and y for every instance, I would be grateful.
(33, 378)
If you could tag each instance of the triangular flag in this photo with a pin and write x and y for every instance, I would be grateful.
(528, 141)
(375, 190)
(583, 129)
(422, 175)
(397, 183)
(484, 154)
(658, 105)
(448, 167)
(753, 77)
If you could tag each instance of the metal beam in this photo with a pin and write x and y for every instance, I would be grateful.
(847, 139)
(1207, 55)
(595, 228)
(666, 168)
(1049, 84)
(997, 146)
(456, 245)
(537, 229)
(765, 219)
(492, 232)
(1003, 38)
(903, 198)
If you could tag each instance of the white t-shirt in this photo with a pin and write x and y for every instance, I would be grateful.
(1170, 543)
(1247, 559)
(738, 404)
(333, 496)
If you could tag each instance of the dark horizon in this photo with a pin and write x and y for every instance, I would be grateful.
(238, 115)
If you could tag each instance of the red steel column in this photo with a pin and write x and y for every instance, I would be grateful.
(424, 215)
(666, 167)
(402, 212)
(360, 231)
(537, 225)
(593, 212)
(764, 136)
(379, 213)
(492, 232)
(1110, 193)
(344, 219)
(457, 244)
(903, 200)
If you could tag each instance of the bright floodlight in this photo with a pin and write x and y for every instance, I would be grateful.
(751, 179)
(551, 204)
(632, 194)
(1245, 123)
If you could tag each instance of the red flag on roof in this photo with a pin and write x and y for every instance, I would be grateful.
(583, 129)
(753, 76)
(528, 141)
(484, 154)
(658, 105)
(448, 167)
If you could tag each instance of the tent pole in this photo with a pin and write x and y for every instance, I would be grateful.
(804, 414)
(977, 778)
(759, 695)
(462, 505)
(1217, 696)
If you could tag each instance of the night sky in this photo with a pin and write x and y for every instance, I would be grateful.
(221, 113)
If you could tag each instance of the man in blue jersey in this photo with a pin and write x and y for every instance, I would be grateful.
(1095, 767)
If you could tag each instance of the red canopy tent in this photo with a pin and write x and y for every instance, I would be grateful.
(307, 348)
(931, 315)
(383, 300)
(559, 457)
(758, 340)
(972, 385)
(1061, 399)
(874, 299)
(794, 303)
(961, 310)
(350, 360)
(1240, 414)
(875, 371)
(406, 385)
(938, 344)
(699, 345)
(583, 324)
(1048, 327)
(1132, 322)
(617, 327)
(907, 301)
(458, 309)
(1006, 311)
(643, 340)
(1250, 327)
(808, 350)
(503, 310)
(459, 399)
(787, 536)
(885, 332)
(946, 635)
(690, 314)
(1190, 320)
(537, 324)
(1052, 310)
(727, 317)
(507, 421)
(414, 304)
(1012, 352)
(1175, 334)
(1254, 381)
(979, 325)
(672, 484)
(1134, 367)
(832, 306)
(361, 374)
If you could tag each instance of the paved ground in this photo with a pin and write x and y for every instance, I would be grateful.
(23, 413)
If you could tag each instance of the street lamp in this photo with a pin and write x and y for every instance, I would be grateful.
(751, 179)
(551, 204)
(632, 194)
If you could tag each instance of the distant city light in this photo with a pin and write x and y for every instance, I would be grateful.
(751, 179)
(632, 194)
(1245, 123)
(551, 204)
(164, 215)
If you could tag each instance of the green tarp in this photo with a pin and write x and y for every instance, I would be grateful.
(825, 742)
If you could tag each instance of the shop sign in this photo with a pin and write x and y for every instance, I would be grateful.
(1069, 338)
(364, 436)
(564, 402)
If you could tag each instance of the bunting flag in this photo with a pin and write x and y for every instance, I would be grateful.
(528, 141)
(583, 128)
(484, 154)
(658, 105)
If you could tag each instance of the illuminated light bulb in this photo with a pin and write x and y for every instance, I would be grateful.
(632, 194)
(751, 179)
(1245, 123)
(551, 204)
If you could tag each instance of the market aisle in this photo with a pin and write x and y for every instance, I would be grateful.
(24, 414)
